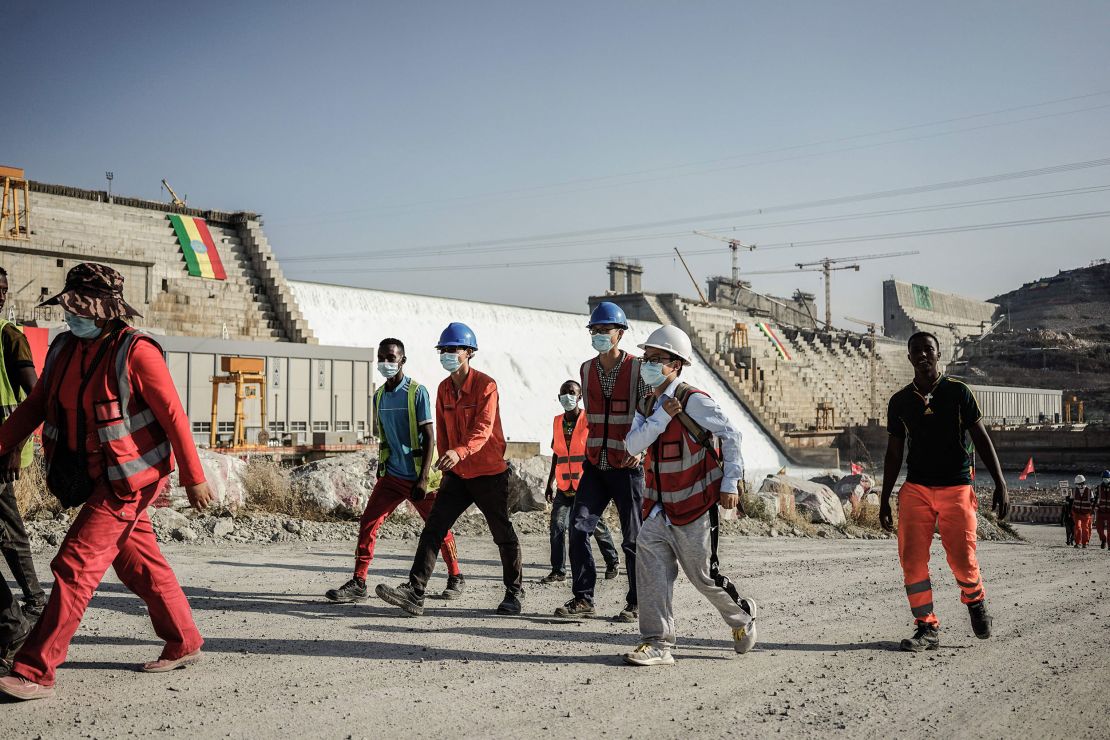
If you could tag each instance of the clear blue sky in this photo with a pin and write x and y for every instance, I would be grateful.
(360, 128)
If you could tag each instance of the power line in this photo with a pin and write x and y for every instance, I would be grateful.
(519, 241)
(780, 245)
(537, 190)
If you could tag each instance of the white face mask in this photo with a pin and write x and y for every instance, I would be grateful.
(568, 401)
(389, 369)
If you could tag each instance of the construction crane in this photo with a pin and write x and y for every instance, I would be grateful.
(176, 201)
(734, 246)
(825, 264)
(872, 331)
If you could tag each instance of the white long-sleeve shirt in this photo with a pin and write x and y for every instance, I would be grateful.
(708, 414)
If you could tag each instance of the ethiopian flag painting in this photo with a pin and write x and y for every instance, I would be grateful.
(196, 242)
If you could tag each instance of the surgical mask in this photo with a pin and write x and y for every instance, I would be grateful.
(568, 401)
(388, 369)
(601, 342)
(450, 361)
(652, 373)
(82, 327)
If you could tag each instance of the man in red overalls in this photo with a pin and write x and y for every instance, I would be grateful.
(110, 417)
(1102, 511)
(1083, 505)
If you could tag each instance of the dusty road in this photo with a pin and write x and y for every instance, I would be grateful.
(282, 662)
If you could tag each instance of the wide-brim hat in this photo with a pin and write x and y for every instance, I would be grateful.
(94, 291)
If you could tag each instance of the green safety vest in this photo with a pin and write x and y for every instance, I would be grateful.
(12, 397)
(414, 432)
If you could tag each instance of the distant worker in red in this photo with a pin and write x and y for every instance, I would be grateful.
(933, 416)
(568, 453)
(1082, 507)
(112, 423)
(1102, 511)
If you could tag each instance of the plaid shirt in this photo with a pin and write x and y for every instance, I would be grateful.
(608, 383)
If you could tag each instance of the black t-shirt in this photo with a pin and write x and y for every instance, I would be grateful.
(935, 424)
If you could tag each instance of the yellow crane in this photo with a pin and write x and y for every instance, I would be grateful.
(176, 201)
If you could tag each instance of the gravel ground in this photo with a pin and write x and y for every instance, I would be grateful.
(281, 660)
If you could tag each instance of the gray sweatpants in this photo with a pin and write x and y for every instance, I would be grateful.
(660, 549)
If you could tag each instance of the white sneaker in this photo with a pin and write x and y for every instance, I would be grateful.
(743, 638)
(648, 654)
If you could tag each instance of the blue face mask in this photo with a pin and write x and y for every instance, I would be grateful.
(388, 369)
(601, 342)
(652, 373)
(450, 362)
(82, 327)
(568, 401)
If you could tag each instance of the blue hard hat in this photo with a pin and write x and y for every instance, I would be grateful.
(608, 313)
(457, 334)
(1105, 474)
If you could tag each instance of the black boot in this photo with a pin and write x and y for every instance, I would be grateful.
(925, 637)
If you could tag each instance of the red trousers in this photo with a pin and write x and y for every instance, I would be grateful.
(1082, 527)
(106, 532)
(923, 510)
(1102, 526)
(389, 492)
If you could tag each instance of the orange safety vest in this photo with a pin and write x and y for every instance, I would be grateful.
(1084, 501)
(610, 419)
(680, 471)
(136, 449)
(568, 462)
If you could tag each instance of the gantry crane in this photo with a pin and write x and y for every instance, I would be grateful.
(734, 245)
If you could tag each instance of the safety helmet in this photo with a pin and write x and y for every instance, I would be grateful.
(608, 313)
(457, 334)
(1106, 475)
(671, 339)
(1080, 479)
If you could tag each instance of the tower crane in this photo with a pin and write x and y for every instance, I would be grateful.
(734, 245)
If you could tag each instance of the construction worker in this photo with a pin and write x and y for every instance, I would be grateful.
(110, 418)
(692, 464)
(568, 446)
(404, 412)
(1102, 511)
(934, 415)
(1067, 520)
(472, 457)
(1082, 508)
(17, 378)
(611, 388)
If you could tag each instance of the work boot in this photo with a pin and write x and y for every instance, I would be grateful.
(630, 613)
(403, 596)
(980, 620)
(352, 590)
(511, 603)
(612, 570)
(455, 587)
(553, 577)
(743, 638)
(575, 608)
(925, 637)
(32, 608)
(648, 654)
(20, 688)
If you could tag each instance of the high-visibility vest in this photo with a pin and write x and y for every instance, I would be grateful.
(136, 449)
(679, 471)
(1103, 501)
(610, 419)
(568, 461)
(414, 432)
(1084, 501)
(11, 396)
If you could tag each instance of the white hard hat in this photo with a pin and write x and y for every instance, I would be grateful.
(671, 339)
(1080, 479)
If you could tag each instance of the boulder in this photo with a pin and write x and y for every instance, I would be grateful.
(816, 501)
(224, 474)
(851, 489)
(828, 479)
(340, 484)
(527, 481)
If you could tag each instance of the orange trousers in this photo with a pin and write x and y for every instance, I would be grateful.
(1082, 527)
(923, 510)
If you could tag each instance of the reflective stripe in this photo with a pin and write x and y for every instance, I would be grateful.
(919, 587)
(965, 584)
(677, 466)
(973, 597)
(700, 486)
(922, 611)
(129, 425)
(142, 464)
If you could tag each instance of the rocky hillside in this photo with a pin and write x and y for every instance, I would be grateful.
(1057, 336)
